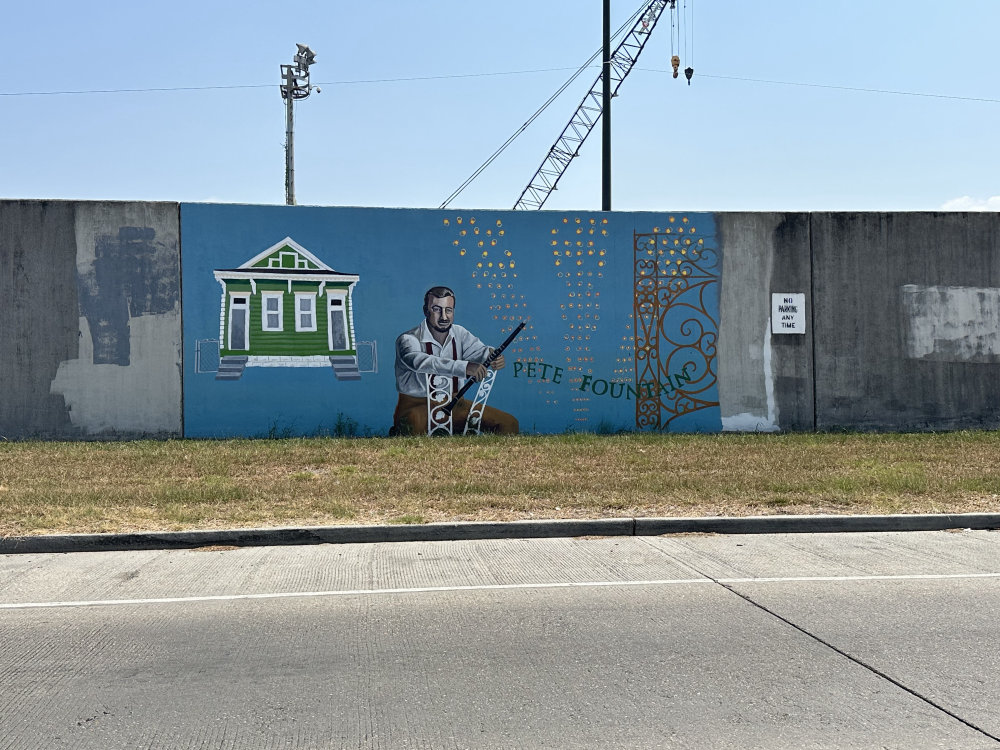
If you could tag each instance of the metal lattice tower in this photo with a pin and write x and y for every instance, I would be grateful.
(587, 115)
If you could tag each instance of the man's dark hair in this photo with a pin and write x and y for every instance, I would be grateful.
(436, 291)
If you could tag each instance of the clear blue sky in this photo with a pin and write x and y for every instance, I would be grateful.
(784, 112)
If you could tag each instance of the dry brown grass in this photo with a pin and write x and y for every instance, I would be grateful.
(103, 487)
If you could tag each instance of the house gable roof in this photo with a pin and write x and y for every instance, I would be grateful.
(285, 259)
(280, 254)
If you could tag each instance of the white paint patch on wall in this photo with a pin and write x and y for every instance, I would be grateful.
(140, 398)
(951, 323)
(747, 422)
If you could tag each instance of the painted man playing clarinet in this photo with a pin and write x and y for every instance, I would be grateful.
(439, 346)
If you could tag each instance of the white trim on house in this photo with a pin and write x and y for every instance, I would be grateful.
(257, 274)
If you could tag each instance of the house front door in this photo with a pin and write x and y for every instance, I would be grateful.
(337, 324)
(239, 322)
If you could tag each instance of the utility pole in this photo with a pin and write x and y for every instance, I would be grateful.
(606, 128)
(294, 86)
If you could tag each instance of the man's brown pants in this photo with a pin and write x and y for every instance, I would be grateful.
(410, 418)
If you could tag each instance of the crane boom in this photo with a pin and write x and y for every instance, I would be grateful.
(567, 146)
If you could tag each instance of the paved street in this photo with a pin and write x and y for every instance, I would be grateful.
(693, 641)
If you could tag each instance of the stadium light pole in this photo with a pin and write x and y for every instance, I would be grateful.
(294, 86)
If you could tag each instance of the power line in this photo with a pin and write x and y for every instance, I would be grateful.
(269, 85)
(134, 91)
(408, 79)
(840, 88)
(455, 75)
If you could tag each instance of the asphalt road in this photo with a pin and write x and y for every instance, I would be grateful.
(766, 641)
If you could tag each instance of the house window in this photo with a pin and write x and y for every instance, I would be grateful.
(305, 312)
(271, 317)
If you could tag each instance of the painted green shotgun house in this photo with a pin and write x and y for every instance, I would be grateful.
(286, 308)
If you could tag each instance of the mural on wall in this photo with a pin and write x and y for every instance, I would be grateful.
(620, 315)
(436, 363)
(286, 308)
(677, 324)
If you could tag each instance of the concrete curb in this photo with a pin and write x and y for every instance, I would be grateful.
(492, 530)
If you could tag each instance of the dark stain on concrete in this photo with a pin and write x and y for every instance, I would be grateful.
(133, 274)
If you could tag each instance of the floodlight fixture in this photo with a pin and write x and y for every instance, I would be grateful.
(305, 56)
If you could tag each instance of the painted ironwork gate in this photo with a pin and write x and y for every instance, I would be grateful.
(676, 324)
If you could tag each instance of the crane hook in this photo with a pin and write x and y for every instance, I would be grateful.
(675, 62)
(688, 72)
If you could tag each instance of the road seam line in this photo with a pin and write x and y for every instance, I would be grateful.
(859, 662)
(727, 584)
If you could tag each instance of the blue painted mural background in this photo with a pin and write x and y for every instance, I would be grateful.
(622, 313)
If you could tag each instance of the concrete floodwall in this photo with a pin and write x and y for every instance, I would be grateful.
(893, 319)
(907, 318)
(90, 345)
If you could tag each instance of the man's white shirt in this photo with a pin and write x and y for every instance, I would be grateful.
(413, 361)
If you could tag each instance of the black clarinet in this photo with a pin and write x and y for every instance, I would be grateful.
(489, 361)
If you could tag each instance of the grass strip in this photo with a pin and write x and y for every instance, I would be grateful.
(87, 487)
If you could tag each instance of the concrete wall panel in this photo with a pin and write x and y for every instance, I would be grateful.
(95, 347)
(39, 331)
(765, 379)
(905, 316)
